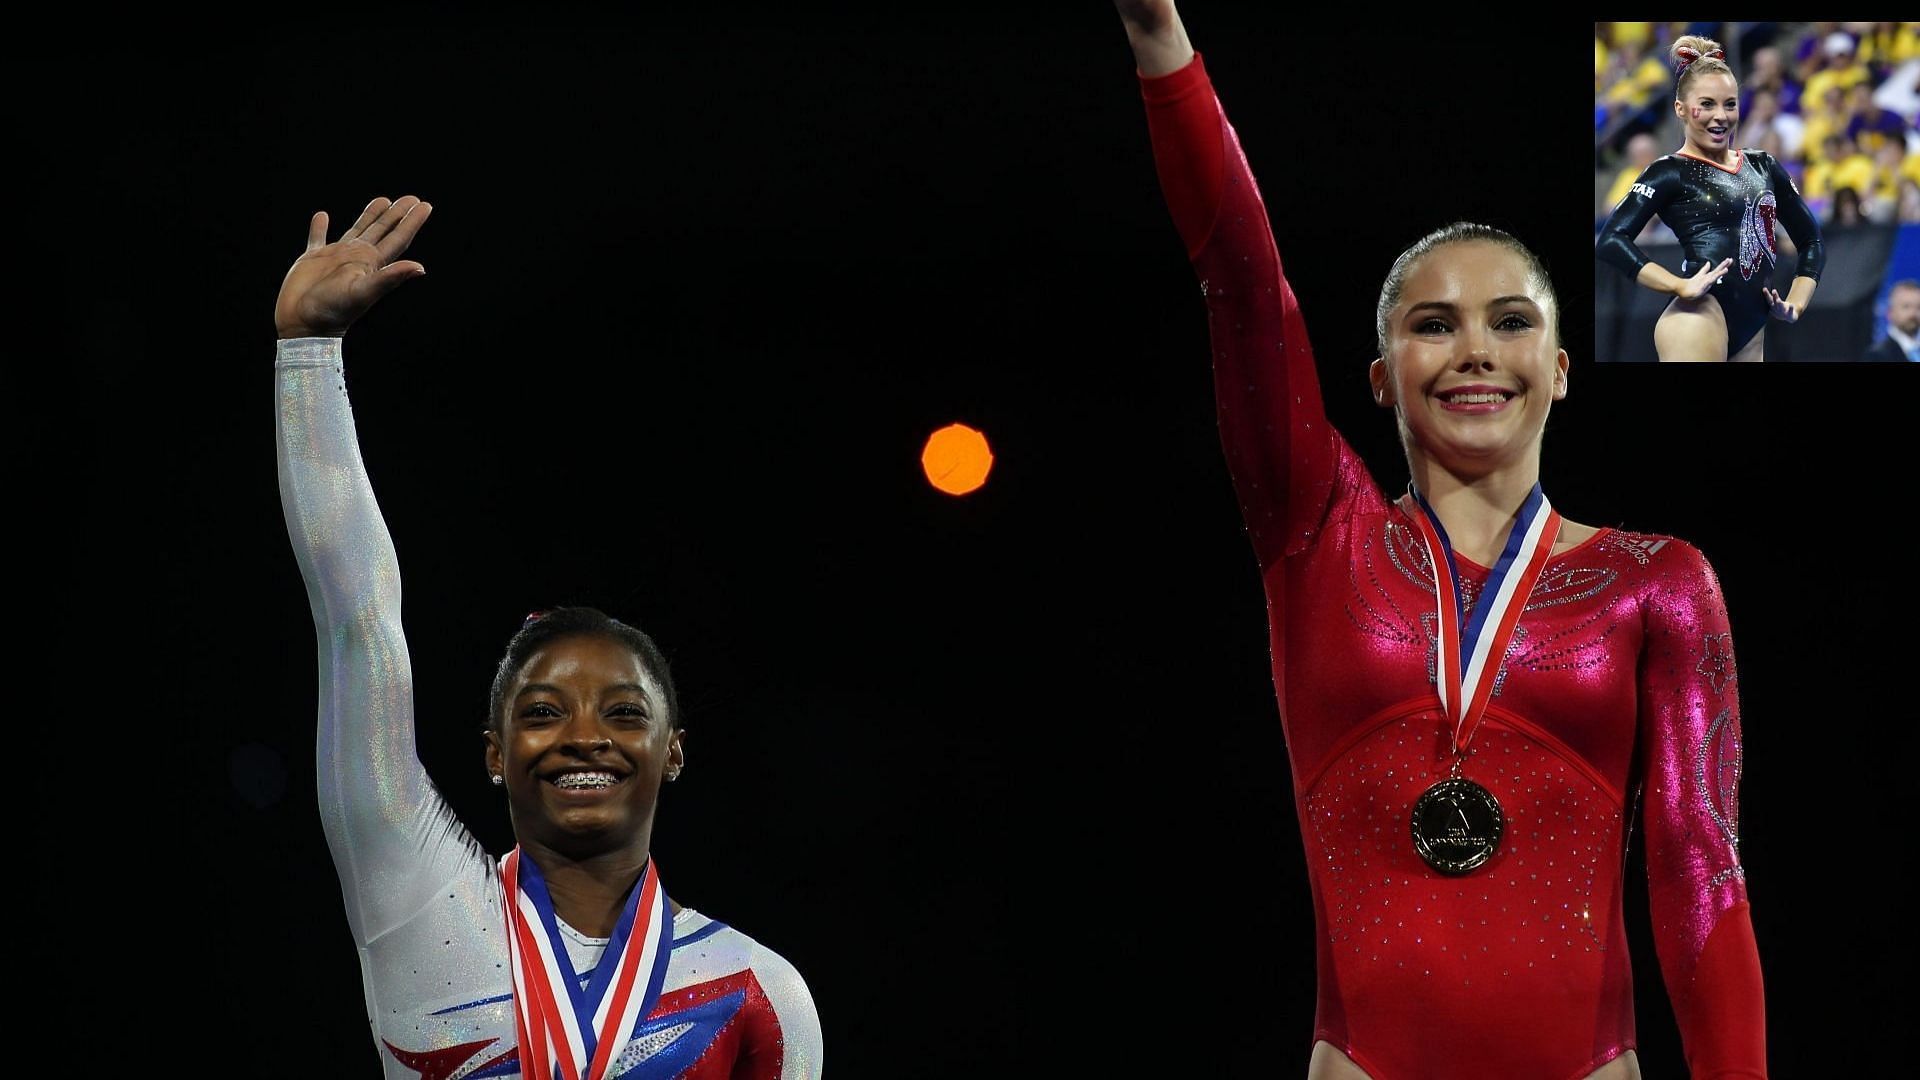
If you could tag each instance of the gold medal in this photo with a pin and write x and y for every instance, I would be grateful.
(1457, 825)
(1456, 822)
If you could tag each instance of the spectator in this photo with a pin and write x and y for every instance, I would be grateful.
(1641, 150)
(1826, 115)
(1768, 72)
(1906, 44)
(1809, 57)
(1841, 69)
(1644, 73)
(1886, 45)
(1909, 202)
(1902, 343)
(1763, 117)
(1637, 36)
(1841, 166)
(1900, 94)
(1884, 196)
(1846, 209)
(1869, 125)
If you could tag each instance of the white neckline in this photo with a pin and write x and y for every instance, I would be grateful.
(582, 939)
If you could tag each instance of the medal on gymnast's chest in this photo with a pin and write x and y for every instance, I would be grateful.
(568, 1031)
(1456, 822)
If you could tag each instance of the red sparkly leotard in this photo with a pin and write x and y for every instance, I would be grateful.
(1619, 677)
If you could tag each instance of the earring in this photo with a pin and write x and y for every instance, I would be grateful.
(499, 780)
(672, 776)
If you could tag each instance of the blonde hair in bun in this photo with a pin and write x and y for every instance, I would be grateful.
(1703, 62)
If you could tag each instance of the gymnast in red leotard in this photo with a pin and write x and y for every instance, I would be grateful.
(1615, 687)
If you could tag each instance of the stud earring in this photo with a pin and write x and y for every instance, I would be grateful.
(498, 780)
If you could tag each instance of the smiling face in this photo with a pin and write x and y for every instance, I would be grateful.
(584, 744)
(1709, 111)
(1472, 366)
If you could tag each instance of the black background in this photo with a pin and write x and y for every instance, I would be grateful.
(1002, 775)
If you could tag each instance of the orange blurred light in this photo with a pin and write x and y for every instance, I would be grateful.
(956, 459)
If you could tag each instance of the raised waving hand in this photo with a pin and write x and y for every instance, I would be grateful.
(331, 285)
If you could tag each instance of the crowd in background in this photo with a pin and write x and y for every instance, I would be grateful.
(1838, 104)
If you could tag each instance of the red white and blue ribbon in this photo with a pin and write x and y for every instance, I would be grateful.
(568, 1032)
(1471, 649)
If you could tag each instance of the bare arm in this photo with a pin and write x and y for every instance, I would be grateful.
(1159, 40)
(1789, 307)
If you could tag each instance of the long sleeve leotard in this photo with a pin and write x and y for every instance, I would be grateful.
(1620, 677)
(1719, 213)
(424, 900)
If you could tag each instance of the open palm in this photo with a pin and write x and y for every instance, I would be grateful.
(1703, 279)
(331, 285)
(1783, 309)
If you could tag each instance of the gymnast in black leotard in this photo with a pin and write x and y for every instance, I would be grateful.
(1722, 204)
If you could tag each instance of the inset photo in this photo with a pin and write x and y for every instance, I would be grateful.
(1756, 191)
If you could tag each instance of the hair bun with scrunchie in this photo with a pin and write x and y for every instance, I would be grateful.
(1688, 54)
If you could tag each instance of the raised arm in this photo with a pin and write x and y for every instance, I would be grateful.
(1281, 452)
(1690, 759)
(393, 839)
(1159, 40)
(1648, 196)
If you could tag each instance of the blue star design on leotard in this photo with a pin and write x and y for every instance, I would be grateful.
(661, 1047)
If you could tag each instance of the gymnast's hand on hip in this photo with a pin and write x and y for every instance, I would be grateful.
(1783, 309)
(332, 285)
(1705, 278)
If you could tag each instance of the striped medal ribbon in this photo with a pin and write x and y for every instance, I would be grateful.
(567, 1031)
(1457, 823)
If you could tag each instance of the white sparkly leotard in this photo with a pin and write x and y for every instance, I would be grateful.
(424, 900)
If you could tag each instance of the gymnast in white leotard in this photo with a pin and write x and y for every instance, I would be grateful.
(583, 732)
